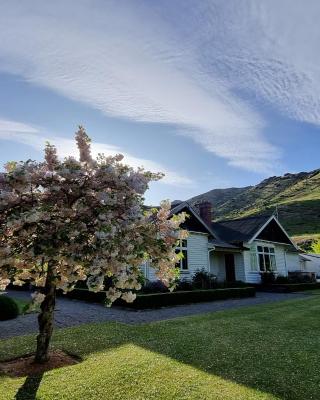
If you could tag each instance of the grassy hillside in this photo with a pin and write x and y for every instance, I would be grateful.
(297, 197)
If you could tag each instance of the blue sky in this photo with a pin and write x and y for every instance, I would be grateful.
(215, 94)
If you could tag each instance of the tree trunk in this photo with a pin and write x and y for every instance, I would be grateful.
(45, 318)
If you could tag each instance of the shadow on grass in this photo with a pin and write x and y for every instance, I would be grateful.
(262, 347)
(28, 391)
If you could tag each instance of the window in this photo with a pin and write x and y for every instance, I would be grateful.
(183, 248)
(253, 258)
(266, 258)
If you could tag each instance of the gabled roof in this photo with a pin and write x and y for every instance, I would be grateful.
(215, 241)
(185, 205)
(231, 234)
(239, 230)
(250, 228)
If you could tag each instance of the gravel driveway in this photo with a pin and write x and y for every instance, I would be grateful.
(74, 312)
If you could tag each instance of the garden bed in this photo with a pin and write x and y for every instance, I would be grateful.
(25, 365)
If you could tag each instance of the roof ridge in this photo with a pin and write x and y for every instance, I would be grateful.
(243, 218)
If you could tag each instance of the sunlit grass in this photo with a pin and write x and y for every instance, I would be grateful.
(262, 352)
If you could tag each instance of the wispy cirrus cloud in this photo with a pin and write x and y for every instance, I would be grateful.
(133, 60)
(267, 49)
(198, 65)
(32, 136)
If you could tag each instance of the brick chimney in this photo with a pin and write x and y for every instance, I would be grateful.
(205, 211)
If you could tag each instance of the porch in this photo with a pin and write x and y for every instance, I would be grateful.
(227, 265)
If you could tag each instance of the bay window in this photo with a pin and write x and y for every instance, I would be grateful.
(266, 258)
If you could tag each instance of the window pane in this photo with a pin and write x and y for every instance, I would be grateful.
(254, 265)
(261, 262)
(184, 261)
(184, 243)
(267, 262)
(260, 249)
(273, 262)
(266, 249)
(271, 250)
(178, 264)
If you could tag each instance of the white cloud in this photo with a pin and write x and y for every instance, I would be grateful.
(31, 136)
(129, 60)
(267, 49)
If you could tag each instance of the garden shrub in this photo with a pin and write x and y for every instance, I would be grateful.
(154, 287)
(203, 280)
(8, 308)
(300, 277)
(228, 284)
(282, 279)
(84, 294)
(293, 287)
(184, 285)
(159, 299)
(267, 278)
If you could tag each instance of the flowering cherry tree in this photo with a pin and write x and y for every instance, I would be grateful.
(81, 220)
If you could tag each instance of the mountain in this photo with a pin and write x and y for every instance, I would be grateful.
(296, 197)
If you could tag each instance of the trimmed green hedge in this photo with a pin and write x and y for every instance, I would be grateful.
(8, 308)
(291, 287)
(85, 294)
(157, 300)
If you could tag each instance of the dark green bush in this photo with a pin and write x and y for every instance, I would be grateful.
(157, 300)
(281, 279)
(85, 294)
(267, 278)
(227, 284)
(184, 285)
(154, 287)
(203, 280)
(293, 287)
(8, 308)
(301, 277)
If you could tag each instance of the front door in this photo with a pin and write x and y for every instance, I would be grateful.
(230, 269)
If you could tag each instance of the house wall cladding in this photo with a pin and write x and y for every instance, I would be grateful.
(197, 254)
(314, 264)
(313, 267)
(281, 260)
(293, 262)
(197, 257)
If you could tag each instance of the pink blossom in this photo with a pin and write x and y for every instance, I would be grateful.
(87, 218)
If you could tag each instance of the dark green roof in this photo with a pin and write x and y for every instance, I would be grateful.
(239, 230)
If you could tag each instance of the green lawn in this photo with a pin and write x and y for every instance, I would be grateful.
(262, 352)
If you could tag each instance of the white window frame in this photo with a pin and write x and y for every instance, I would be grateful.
(271, 253)
(181, 248)
(254, 267)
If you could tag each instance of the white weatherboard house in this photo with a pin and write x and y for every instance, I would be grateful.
(233, 250)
